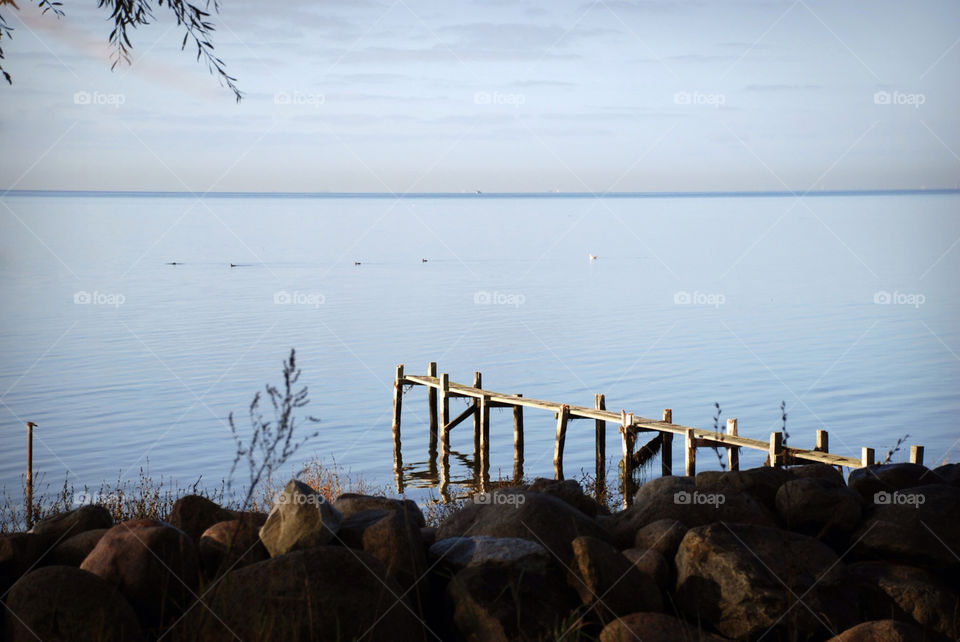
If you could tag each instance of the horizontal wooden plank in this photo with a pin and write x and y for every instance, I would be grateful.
(706, 438)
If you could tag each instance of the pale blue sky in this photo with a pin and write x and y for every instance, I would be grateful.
(498, 96)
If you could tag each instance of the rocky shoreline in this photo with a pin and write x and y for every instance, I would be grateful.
(769, 553)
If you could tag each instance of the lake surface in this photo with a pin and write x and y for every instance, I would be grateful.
(744, 301)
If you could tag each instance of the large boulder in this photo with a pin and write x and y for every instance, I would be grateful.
(350, 504)
(692, 506)
(569, 491)
(321, 593)
(919, 526)
(193, 514)
(761, 483)
(949, 473)
(881, 631)
(501, 603)
(67, 603)
(608, 582)
(73, 550)
(652, 564)
(152, 563)
(85, 518)
(881, 590)
(458, 553)
(300, 519)
(664, 486)
(393, 538)
(230, 544)
(540, 518)
(825, 472)
(19, 552)
(745, 579)
(663, 536)
(814, 505)
(654, 627)
(870, 480)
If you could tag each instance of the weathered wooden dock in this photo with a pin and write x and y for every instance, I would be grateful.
(440, 390)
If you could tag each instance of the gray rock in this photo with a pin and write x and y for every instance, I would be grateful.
(350, 504)
(73, 550)
(391, 537)
(608, 583)
(652, 564)
(663, 536)
(736, 578)
(889, 477)
(825, 472)
(300, 519)
(74, 522)
(461, 552)
(813, 505)
(193, 514)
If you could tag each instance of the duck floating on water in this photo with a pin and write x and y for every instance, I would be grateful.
(593, 257)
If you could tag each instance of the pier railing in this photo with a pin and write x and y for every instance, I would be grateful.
(440, 390)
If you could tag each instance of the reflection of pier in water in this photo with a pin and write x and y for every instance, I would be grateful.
(425, 474)
(440, 390)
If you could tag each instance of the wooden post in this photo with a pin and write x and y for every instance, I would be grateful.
(29, 514)
(484, 413)
(775, 452)
(397, 406)
(627, 436)
(432, 412)
(562, 415)
(666, 446)
(443, 397)
(916, 455)
(476, 422)
(518, 443)
(690, 450)
(600, 403)
(823, 442)
(733, 453)
(866, 456)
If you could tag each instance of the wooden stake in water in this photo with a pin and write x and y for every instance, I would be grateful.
(30, 427)
(733, 453)
(600, 427)
(563, 414)
(666, 446)
(518, 442)
(432, 413)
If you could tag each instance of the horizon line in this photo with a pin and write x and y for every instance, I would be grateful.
(479, 194)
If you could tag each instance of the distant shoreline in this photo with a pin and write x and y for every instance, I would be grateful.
(472, 195)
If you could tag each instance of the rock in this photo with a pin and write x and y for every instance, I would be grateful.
(428, 535)
(229, 545)
(889, 478)
(67, 603)
(152, 563)
(878, 590)
(880, 631)
(499, 603)
(654, 627)
(735, 577)
(761, 484)
(193, 514)
(918, 526)
(350, 504)
(301, 519)
(607, 581)
(814, 505)
(460, 552)
(569, 491)
(540, 518)
(825, 472)
(949, 473)
(320, 593)
(73, 550)
(664, 486)
(62, 525)
(393, 538)
(663, 536)
(18, 553)
(694, 507)
(652, 564)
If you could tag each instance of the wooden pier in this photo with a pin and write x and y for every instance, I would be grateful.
(440, 390)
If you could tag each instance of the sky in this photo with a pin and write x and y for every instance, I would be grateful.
(500, 96)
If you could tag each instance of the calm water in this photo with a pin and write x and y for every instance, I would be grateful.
(781, 307)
